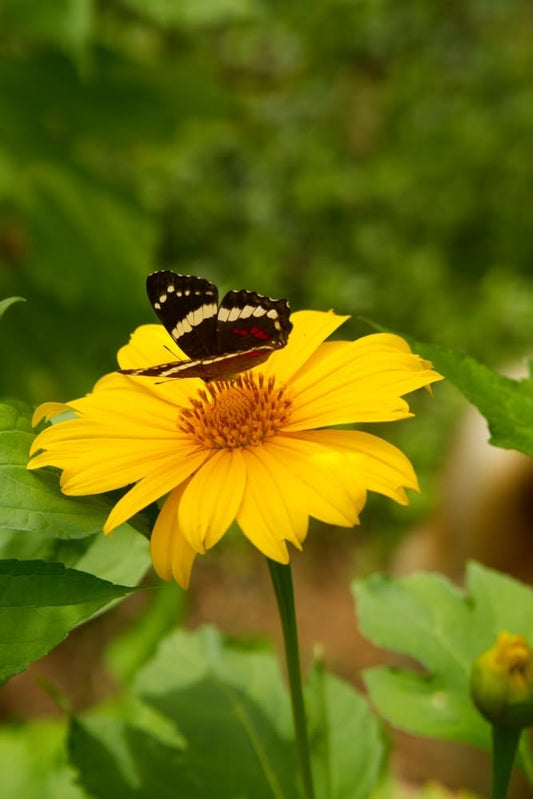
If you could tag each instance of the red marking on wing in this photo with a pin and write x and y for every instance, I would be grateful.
(256, 332)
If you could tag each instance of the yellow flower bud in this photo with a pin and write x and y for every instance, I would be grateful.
(501, 682)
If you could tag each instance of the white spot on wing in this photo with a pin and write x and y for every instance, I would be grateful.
(181, 328)
(259, 311)
(157, 306)
(163, 298)
(272, 314)
(196, 317)
(170, 289)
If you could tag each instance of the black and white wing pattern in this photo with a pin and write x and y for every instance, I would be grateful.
(221, 340)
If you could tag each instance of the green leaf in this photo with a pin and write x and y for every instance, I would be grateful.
(426, 617)
(32, 501)
(121, 558)
(131, 650)
(33, 762)
(66, 23)
(348, 748)
(39, 522)
(506, 404)
(40, 603)
(117, 759)
(229, 706)
(199, 690)
(5, 304)
(191, 14)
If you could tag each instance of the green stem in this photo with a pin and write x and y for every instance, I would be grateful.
(504, 745)
(527, 760)
(282, 581)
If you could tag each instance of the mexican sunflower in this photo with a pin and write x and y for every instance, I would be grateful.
(259, 449)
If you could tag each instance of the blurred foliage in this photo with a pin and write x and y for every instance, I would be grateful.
(364, 155)
(355, 154)
(161, 744)
(361, 155)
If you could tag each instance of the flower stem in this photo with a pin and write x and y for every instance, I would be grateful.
(504, 744)
(281, 577)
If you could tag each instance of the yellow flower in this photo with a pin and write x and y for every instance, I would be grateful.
(501, 681)
(255, 450)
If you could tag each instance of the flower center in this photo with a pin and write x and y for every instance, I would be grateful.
(242, 413)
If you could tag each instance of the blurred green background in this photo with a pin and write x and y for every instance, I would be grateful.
(364, 155)
(370, 156)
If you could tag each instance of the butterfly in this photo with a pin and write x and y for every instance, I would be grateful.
(220, 339)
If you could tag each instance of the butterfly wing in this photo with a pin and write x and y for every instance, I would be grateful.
(247, 320)
(187, 307)
(220, 341)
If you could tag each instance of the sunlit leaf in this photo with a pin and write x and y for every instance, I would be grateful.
(211, 694)
(33, 762)
(445, 629)
(40, 603)
(5, 304)
(506, 404)
(200, 690)
(131, 650)
(32, 501)
(39, 522)
(347, 740)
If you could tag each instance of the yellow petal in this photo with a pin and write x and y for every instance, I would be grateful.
(113, 443)
(53, 436)
(124, 464)
(118, 432)
(117, 402)
(346, 408)
(357, 381)
(266, 516)
(62, 457)
(151, 345)
(156, 484)
(310, 329)
(47, 411)
(318, 479)
(172, 555)
(371, 462)
(134, 399)
(148, 345)
(294, 491)
(212, 498)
